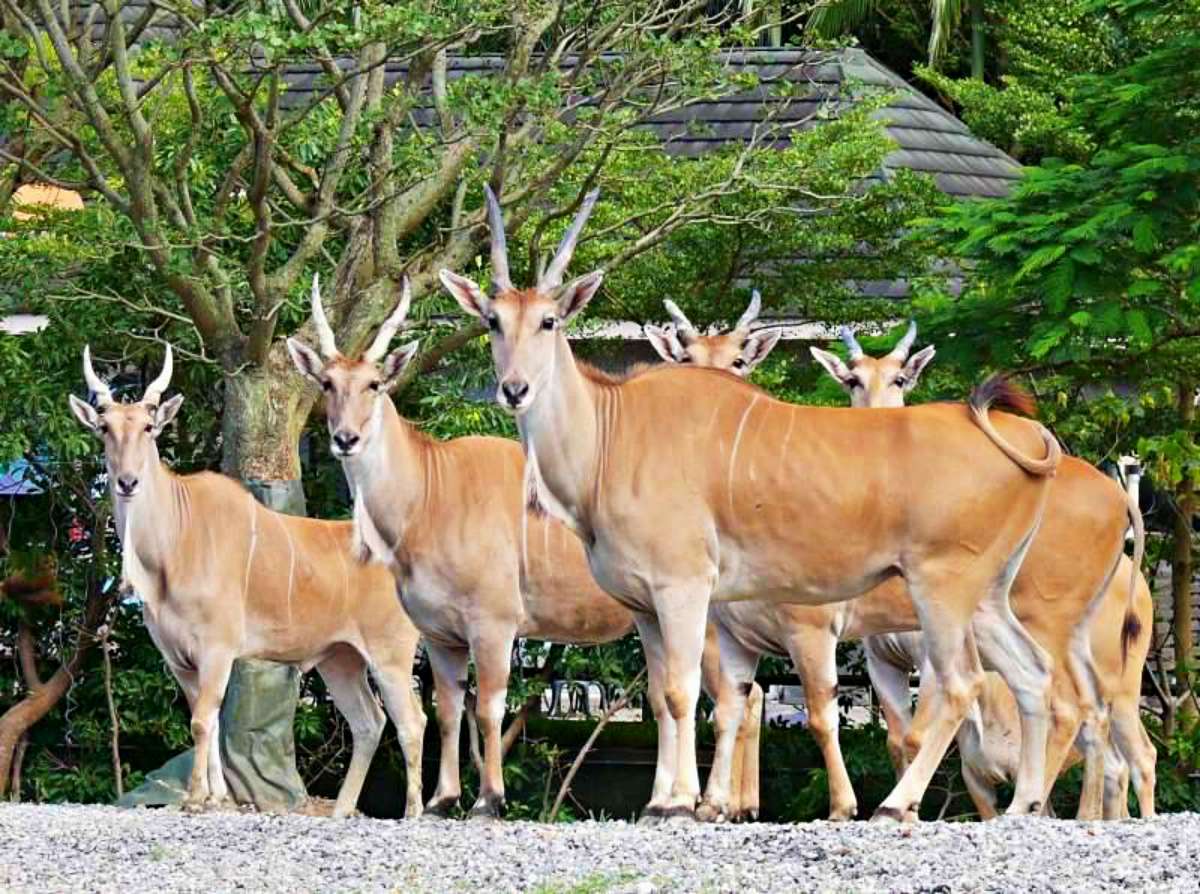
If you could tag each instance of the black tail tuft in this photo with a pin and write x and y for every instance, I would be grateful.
(1130, 631)
(999, 392)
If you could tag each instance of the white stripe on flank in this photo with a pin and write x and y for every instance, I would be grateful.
(787, 439)
(291, 564)
(253, 544)
(737, 440)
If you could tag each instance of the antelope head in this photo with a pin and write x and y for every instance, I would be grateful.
(129, 431)
(877, 381)
(526, 325)
(354, 389)
(739, 350)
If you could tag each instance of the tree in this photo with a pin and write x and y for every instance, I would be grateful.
(837, 17)
(268, 143)
(1089, 274)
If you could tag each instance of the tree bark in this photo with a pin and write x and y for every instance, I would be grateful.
(1182, 565)
(266, 408)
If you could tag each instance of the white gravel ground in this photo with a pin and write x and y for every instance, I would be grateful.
(84, 849)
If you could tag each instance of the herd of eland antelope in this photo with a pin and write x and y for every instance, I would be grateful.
(951, 538)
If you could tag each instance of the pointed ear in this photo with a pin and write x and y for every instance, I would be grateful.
(664, 342)
(395, 363)
(307, 361)
(916, 365)
(833, 365)
(466, 292)
(165, 413)
(84, 412)
(758, 346)
(577, 294)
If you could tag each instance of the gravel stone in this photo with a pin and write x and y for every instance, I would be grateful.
(51, 848)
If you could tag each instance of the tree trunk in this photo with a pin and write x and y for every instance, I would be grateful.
(1181, 562)
(265, 411)
(977, 40)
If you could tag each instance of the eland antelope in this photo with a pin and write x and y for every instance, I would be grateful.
(222, 577)
(1084, 634)
(988, 738)
(475, 572)
(946, 496)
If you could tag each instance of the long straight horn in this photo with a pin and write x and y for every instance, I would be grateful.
(390, 326)
(495, 217)
(156, 389)
(553, 277)
(751, 313)
(851, 343)
(900, 352)
(324, 332)
(95, 384)
(682, 323)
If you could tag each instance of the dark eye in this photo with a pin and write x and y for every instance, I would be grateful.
(326, 385)
(149, 428)
(685, 359)
(854, 382)
(493, 322)
(102, 428)
(900, 381)
(549, 323)
(739, 363)
(374, 386)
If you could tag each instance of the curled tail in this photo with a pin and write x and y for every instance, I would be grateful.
(998, 391)
(1132, 628)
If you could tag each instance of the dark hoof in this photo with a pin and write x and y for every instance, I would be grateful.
(488, 807)
(750, 815)
(443, 808)
(711, 813)
(679, 813)
(844, 815)
(651, 816)
(888, 815)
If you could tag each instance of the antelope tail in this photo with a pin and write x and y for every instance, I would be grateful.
(998, 391)
(1131, 629)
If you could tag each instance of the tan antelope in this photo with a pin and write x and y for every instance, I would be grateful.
(946, 496)
(222, 577)
(988, 739)
(1056, 598)
(739, 350)
(474, 571)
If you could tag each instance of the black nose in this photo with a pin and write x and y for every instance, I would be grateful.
(127, 484)
(514, 392)
(345, 440)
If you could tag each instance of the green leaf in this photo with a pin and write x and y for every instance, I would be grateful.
(1045, 255)
(1145, 234)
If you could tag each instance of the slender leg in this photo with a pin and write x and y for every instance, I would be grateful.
(345, 676)
(682, 612)
(404, 707)
(449, 666)
(492, 658)
(1091, 708)
(814, 652)
(737, 668)
(1025, 666)
(750, 734)
(951, 651)
(656, 674)
(212, 679)
(972, 750)
(890, 680)
(1130, 738)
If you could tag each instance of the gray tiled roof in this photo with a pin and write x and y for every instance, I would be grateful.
(929, 138)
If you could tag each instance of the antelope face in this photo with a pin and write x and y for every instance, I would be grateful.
(354, 389)
(877, 381)
(129, 431)
(525, 328)
(737, 352)
(526, 325)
